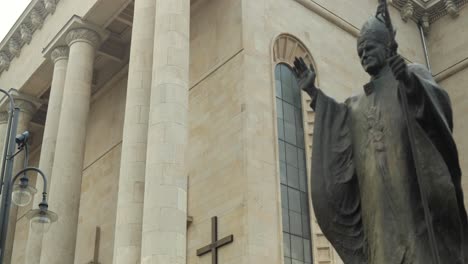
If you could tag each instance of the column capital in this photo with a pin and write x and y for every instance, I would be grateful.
(59, 53)
(83, 35)
(76, 30)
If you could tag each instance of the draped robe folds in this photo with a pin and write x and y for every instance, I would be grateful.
(364, 187)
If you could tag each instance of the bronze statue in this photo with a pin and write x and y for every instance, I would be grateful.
(386, 180)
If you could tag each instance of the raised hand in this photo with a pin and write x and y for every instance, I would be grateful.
(399, 68)
(306, 76)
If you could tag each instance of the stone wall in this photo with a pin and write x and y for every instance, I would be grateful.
(217, 183)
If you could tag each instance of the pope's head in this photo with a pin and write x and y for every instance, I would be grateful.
(372, 46)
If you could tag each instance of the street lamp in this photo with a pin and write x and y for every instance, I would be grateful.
(41, 218)
(20, 194)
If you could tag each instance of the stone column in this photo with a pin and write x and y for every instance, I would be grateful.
(127, 243)
(59, 57)
(165, 200)
(3, 130)
(16, 242)
(3, 134)
(64, 195)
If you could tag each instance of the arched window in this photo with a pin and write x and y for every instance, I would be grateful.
(293, 172)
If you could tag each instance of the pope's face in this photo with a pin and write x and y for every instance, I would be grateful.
(373, 56)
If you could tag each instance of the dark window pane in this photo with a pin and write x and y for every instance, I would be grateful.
(297, 248)
(284, 196)
(288, 111)
(302, 180)
(296, 93)
(291, 155)
(278, 72)
(279, 108)
(304, 204)
(282, 150)
(298, 118)
(307, 251)
(287, 261)
(290, 133)
(305, 227)
(300, 138)
(293, 176)
(285, 220)
(295, 261)
(287, 244)
(295, 223)
(283, 173)
(301, 159)
(294, 200)
(286, 84)
(287, 93)
(278, 88)
(280, 129)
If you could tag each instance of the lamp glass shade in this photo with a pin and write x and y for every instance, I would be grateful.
(22, 194)
(41, 220)
(40, 223)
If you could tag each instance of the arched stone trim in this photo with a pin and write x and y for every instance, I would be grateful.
(285, 48)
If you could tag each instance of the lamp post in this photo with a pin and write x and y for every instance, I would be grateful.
(21, 194)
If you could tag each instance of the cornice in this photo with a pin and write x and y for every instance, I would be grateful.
(427, 12)
(21, 33)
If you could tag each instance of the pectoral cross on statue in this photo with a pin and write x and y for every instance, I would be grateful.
(97, 242)
(215, 243)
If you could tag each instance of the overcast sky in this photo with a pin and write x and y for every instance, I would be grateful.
(9, 13)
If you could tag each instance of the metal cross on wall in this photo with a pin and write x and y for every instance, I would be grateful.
(215, 243)
(97, 242)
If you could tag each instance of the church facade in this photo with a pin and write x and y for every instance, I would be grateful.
(173, 131)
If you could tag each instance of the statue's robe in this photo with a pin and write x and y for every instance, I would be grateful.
(364, 186)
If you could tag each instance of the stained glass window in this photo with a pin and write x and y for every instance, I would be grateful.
(294, 190)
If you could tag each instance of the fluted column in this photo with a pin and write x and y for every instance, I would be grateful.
(127, 243)
(59, 56)
(16, 241)
(65, 189)
(165, 201)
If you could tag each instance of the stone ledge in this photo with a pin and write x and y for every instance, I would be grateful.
(21, 33)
